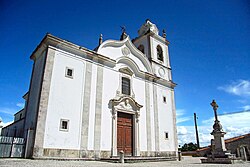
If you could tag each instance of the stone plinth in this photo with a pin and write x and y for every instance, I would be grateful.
(219, 148)
(219, 160)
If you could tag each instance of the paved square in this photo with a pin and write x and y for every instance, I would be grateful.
(186, 162)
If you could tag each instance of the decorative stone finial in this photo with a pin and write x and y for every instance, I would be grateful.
(100, 39)
(123, 28)
(124, 35)
(147, 20)
(164, 35)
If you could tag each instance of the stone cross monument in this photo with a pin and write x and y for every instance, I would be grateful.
(219, 142)
(219, 152)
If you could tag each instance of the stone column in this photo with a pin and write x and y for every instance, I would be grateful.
(136, 135)
(244, 153)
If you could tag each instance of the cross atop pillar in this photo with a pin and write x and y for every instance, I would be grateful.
(215, 107)
(217, 126)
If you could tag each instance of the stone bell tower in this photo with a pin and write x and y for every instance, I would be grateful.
(155, 48)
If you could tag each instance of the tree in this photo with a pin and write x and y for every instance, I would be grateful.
(189, 147)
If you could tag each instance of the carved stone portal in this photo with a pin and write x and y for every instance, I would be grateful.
(128, 105)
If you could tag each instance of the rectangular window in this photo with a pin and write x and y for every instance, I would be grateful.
(69, 72)
(166, 135)
(64, 125)
(164, 99)
(125, 86)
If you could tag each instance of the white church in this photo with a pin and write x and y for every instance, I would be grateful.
(86, 103)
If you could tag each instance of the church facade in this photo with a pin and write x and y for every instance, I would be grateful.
(95, 103)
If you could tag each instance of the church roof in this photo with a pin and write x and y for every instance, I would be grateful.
(127, 53)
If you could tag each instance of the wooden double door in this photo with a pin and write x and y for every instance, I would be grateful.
(125, 133)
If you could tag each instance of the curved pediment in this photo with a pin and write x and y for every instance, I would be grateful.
(118, 50)
(126, 103)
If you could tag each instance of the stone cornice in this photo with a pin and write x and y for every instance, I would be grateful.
(155, 61)
(55, 42)
(19, 111)
(158, 80)
(149, 33)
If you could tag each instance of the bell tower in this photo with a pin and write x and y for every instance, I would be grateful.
(155, 48)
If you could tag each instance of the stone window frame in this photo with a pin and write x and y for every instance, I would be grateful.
(126, 73)
(125, 79)
(61, 125)
(67, 74)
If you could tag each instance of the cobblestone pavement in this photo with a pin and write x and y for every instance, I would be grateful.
(186, 162)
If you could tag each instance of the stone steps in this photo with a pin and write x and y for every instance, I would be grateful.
(138, 159)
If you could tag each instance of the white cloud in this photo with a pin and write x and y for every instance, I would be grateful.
(186, 134)
(184, 119)
(21, 105)
(239, 88)
(10, 111)
(180, 112)
(234, 124)
(246, 107)
(237, 119)
(180, 116)
(182, 130)
(242, 101)
(4, 123)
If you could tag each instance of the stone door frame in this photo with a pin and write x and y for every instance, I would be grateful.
(129, 106)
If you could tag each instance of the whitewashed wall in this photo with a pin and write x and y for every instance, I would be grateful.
(139, 90)
(143, 41)
(65, 102)
(165, 116)
(110, 85)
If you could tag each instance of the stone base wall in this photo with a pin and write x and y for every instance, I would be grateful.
(68, 153)
(159, 154)
(65, 153)
(91, 154)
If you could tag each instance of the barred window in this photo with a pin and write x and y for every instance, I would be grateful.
(69, 72)
(64, 125)
(125, 86)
